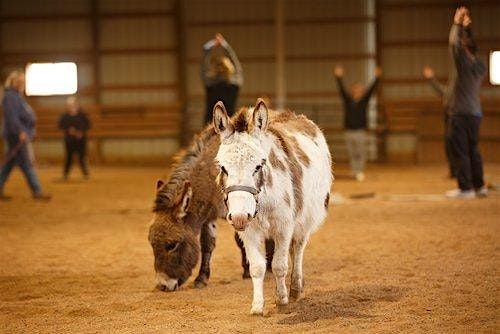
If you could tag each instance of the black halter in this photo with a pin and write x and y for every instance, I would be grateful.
(251, 190)
(248, 189)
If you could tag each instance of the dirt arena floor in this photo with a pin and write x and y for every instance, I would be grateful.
(393, 263)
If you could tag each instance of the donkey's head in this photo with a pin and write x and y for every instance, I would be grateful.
(242, 160)
(175, 246)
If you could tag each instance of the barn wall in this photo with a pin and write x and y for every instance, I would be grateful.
(126, 53)
(139, 53)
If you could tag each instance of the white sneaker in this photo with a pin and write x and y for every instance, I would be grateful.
(360, 176)
(462, 194)
(482, 192)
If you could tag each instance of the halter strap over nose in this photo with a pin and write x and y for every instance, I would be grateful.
(250, 190)
(247, 189)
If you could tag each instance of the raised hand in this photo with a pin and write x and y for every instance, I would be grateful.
(23, 137)
(459, 15)
(338, 71)
(428, 72)
(219, 39)
(467, 20)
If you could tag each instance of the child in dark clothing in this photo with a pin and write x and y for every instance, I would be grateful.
(75, 124)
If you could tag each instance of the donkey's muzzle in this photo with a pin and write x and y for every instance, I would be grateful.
(165, 283)
(239, 221)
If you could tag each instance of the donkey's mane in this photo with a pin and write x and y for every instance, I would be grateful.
(277, 119)
(184, 161)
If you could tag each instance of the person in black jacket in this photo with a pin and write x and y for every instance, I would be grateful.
(464, 107)
(440, 89)
(75, 124)
(355, 119)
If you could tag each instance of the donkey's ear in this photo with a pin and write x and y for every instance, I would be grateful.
(187, 193)
(260, 115)
(159, 184)
(222, 123)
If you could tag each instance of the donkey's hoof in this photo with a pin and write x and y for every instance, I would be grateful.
(282, 301)
(296, 294)
(257, 310)
(200, 284)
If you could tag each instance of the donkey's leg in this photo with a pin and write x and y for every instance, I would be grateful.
(207, 241)
(297, 253)
(244, 261)
(269, 254)
(253, 240)
(280, 265)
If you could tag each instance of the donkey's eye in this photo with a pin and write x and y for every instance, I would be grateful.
(169, 247)
(223, 170)
(257, 168)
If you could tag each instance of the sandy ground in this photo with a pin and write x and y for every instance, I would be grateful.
(82, 263)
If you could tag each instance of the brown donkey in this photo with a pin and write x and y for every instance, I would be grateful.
(186, 209)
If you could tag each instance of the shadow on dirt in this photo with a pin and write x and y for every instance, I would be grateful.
(354, 302)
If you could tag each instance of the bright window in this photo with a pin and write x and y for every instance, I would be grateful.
(495, 67)
(44, 79)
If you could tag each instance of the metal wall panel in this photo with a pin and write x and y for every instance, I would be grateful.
(85, 75)
(405, 61)
(138, 33)
(59, 101)
(139, 69)
(409, 91)
(416, 2)
(485, 21)
(139, 148)
(131, 6)
(39, 7)
(228, 10)
(320, 9)
(327, 39)
(407, 24)
(141, 97)
(46, 35)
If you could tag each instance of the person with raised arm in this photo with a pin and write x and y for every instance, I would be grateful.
(464, 108)
(355, 119)
(440, 90)
(222, 75)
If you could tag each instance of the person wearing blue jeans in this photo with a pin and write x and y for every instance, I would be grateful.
(18, 131)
